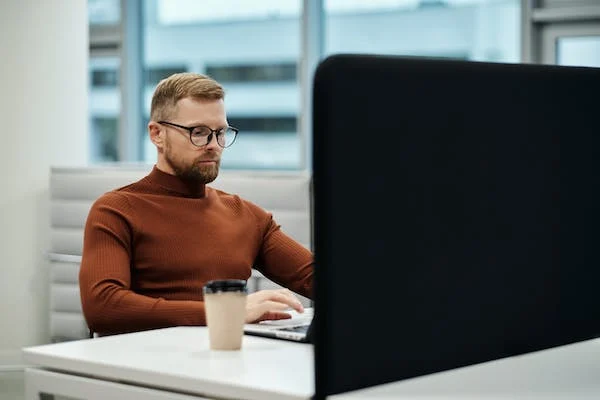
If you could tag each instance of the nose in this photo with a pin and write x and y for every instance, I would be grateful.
(210, 143)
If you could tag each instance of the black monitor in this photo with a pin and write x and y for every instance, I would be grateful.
(456, 214)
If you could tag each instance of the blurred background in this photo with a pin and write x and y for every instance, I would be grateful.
(257, 50)
(77, 77)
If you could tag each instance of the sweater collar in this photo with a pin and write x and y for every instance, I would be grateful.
(175, 184)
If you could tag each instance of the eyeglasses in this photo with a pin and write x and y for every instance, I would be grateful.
(202, 135)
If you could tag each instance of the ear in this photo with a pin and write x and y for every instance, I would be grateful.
(157, 134)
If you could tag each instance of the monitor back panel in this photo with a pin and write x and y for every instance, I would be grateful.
(456, 214)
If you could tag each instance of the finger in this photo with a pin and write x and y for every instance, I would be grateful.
(289, 298)
(294, 302)
(273, 311)
(270, 305)
(267, 295)
(267, 310)
(275, 315)
(280, 295)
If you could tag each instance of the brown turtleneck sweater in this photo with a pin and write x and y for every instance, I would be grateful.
(150, 247)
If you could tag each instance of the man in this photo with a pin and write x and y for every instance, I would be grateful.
(150, 247)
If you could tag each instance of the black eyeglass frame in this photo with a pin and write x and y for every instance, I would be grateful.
(209, 137)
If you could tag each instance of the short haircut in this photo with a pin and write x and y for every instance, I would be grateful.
(179, 86)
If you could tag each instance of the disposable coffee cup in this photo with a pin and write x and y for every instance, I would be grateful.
(225, 306)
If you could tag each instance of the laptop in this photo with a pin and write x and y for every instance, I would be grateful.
(295, 329)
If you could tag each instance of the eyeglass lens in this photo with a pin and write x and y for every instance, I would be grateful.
(202, 135)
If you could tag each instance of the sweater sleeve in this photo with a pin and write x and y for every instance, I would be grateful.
(109, 305)
(285, 261)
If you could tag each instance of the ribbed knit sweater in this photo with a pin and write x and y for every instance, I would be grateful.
(150, 247)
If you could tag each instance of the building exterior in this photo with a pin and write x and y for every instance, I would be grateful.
(255, 53)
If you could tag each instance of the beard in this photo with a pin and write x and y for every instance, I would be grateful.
(194, 171)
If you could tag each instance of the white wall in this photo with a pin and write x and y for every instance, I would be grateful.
(43, 122)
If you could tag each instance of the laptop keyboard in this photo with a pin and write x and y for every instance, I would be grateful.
(299, 329)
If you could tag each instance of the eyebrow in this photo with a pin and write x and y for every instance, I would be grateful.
(206, 126)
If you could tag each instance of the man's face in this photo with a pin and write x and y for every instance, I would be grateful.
(186, 160)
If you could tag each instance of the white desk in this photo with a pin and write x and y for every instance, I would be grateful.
(175, 364)
(570, 372)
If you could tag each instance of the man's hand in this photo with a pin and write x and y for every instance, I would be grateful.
(270, 305)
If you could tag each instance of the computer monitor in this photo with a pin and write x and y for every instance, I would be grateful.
(456, 214)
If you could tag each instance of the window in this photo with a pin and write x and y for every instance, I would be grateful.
(104, 12)
(254, 49)
(104, 108)
(264, 124)
(264, 142)
(104, 139)
(103, 78)
(104, 18)
(482, 30)
(579, 51)
(253, 73)
(180, 12)
(156, 74)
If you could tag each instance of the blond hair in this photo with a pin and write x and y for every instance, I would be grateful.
(179, 86)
